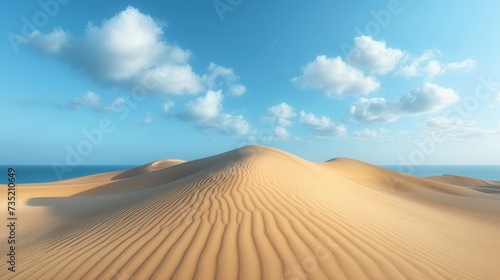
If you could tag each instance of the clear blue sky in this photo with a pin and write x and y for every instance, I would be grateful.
(129, 82)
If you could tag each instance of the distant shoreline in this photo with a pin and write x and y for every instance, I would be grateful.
(44, 173)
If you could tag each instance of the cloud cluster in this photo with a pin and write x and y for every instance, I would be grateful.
(322, 126)
(280, 116)
(129, 50)
(220, 77)
(206, 112)
(426, 65)
(204, 107)
(368, 59)
(374, 56)
(427, 99)
(456, 129)
(335, 77)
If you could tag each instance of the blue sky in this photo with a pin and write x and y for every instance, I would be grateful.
(129, 82)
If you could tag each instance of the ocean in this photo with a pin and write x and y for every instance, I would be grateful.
(46, 173)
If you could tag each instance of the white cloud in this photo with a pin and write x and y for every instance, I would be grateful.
(219, 77)
(238, 90)
(281, 133)
(456, 129)
(281, 116)
(51, 43)
(207, 114)
(167, 106)
(415, 68)
(148, 119)
(374, 109)
(425, 65)
(374, 56)
(215, 72)
(89, 99)
(322, 126)
(446, 123)
(205, 107)
(466, 64)
(281, 113)
(173, 79)
(129, 50)
(335, 77)
(230, 125)
(427, 99)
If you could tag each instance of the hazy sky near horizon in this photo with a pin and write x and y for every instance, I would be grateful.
(129, 82)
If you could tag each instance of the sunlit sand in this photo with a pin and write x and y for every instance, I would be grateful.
(258, 213)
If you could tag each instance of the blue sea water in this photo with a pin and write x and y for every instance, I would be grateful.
(46, 173)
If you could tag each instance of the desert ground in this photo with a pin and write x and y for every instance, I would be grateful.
(257, 213)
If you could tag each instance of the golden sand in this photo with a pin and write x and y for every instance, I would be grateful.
(258, 213)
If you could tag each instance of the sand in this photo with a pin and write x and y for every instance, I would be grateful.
(257, 213)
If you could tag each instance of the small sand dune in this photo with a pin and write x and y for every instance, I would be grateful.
(258, 213)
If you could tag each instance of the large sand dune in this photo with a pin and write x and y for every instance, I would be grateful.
(258, 213)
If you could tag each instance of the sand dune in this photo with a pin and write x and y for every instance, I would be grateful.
(258, 213)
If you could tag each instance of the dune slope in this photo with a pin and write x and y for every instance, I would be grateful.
(257, 213)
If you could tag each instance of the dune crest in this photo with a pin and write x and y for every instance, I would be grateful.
(258, 213)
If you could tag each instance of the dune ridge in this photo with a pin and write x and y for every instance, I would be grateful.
(258, 213)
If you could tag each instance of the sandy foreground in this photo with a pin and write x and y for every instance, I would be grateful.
(257, 213)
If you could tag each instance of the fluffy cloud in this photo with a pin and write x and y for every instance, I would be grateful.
(205, 107)
(322, 126)
(425, 65)
(281, 116)
(206, 112)
(374, 109)
(427, 99)
(281, 113)
(456, 129)
(219, 77)
(335, 77)
(230, 125)
(51, 43)
(466, 64)
(129, 50)
(374, 56)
